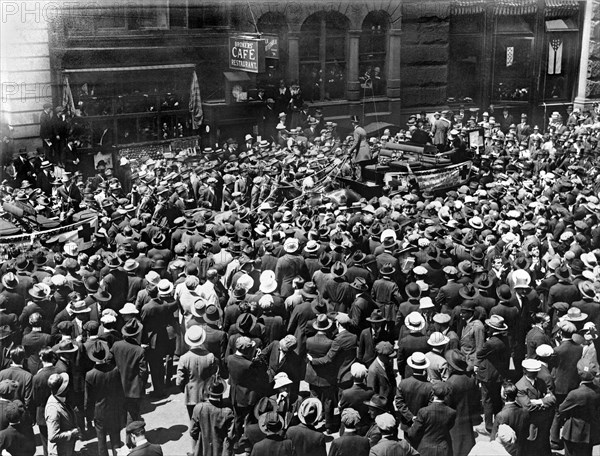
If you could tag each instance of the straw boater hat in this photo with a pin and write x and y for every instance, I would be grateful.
(414, 321)
(195, 336)
(418, 361)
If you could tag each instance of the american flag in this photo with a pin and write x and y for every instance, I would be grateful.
(195, 106)
(555, 56)
(510, 55)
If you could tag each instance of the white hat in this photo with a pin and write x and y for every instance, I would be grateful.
(268, 283)
(165, 287)
(414, 321)
(358, 370)
(544, 351)
(195, 336)
(426, 303)
(418, 361)
(291, 245)
(129, 309)
(246, 281)
(281, 379)
(532, 365)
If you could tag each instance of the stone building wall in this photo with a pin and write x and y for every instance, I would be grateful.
(593, 76)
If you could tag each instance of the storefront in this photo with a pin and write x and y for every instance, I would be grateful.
(130, 71)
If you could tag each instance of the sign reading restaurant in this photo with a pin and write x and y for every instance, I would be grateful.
(247, 53)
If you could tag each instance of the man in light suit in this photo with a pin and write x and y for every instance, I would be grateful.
(440, 131)
(360, 152)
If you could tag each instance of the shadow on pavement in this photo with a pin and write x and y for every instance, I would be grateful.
(163, 435)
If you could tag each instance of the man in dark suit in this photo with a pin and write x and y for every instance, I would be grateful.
(414, 341)
(566, 379)
(506, 120)
(136, 434)
(513, 415)
(44, 178)
(370, 337)
(430, 432)
(491, 367)
(68, 194)
(24, 169)
(131, 362)
(322, 379)
(523, 129)
(413, 392)
(390, 444)
(381, 378)
(564, 290)
(156, 316)
(580, 413)
(18, 437)
(21, 376)
(281, 357)
(588, 303)
(104, 396)
(41, 392)
(447, 297)
(357, 396)
(249, 382)
(362, 307)
(350, 443)
(537, 334)
(46, 131)
(342, 353)
(306, 439)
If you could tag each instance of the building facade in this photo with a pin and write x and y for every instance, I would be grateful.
(129, 65)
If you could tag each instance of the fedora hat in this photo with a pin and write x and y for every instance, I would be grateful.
(132, 328)
(468, 291)
(418, 361)
(264, 405)
(130, 265)
(456, 360)
(322, 323)
(10, 281)
(503, 292)
(281, 379)
(65, 346)
(40, 291)
(496, 322)
(79, 307)
(199, 307)
(387, 270)
(102, 296)
(195, 336)
(562, 273)
(98, 351)
(268, 283)
(378, 402)
(413, 290)
(483, 282)
(575, 314)
(246, 323)
(309, 290)
(414, 321)
(270, 423)
(211, 314)
(360, 284)
(91, 283)
(113, 262)
(165, 287)
(586, 288)
(466, 267)
(375, 317)
(339, 269)
(358, 257)
(437, 339)
(310, 410)
(158, 239)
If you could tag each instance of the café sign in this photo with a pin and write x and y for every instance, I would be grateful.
(247, 53)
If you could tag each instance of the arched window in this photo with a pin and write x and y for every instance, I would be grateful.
(372, 53)
(273, 24)
(323, 56)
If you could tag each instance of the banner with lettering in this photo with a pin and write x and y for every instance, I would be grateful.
(433, 179)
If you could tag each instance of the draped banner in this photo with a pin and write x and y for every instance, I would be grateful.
(80, 233)
(555, 56)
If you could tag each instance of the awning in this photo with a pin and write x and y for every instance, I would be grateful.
(133, 68)
(514, 7)
(459, 7)
(561, 8)
(561, 25)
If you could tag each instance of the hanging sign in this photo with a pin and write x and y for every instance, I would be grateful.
(271, 46)
(247, 53)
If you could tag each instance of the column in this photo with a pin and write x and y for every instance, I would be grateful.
(353, 85)
(393, 61)
(580, 98)
(293, 56)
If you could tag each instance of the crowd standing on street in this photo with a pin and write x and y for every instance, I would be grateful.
(286, 317)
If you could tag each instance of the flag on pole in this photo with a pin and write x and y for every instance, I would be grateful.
(67, 98)
(555, 56)
(510, 55)
(195, 103)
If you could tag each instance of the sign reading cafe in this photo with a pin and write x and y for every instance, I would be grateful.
(247, 53)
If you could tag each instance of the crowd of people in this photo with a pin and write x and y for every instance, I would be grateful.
(402, 323)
